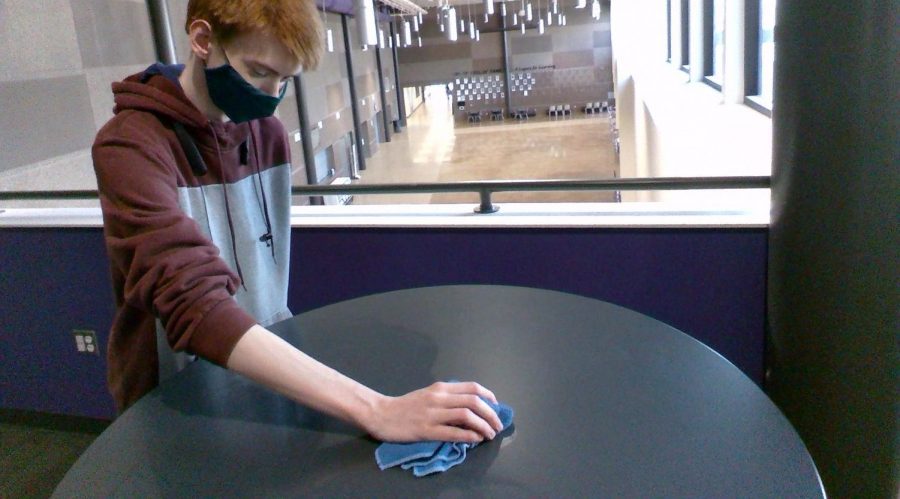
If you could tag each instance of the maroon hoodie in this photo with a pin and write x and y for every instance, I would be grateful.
(188, 264)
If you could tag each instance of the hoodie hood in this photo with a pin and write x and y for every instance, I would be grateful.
(156, 90)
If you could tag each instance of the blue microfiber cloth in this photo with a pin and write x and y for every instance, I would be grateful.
(425, 458)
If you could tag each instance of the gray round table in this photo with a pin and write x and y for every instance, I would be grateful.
(608, 402)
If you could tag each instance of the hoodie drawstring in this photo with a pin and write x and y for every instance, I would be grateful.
(237, 263)
(268, 237)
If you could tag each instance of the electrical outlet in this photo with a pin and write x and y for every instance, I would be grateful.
(86, 341)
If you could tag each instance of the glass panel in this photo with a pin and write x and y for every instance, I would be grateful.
(766, 49)
(559, 121)
(718, 41)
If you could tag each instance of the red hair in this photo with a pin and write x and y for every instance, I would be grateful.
(293, 22)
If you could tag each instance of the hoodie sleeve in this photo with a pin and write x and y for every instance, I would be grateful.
(170, 268)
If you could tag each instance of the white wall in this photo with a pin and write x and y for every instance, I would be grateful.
(670, 127)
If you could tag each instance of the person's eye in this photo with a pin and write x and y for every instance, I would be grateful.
(260, 73)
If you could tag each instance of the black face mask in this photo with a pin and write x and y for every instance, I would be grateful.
(236, 97)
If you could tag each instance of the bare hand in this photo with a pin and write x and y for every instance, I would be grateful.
(449, 412)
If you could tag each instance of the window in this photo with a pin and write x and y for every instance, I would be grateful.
(685, 34)
(759, 52)
(669, 30)
(718, 42)
(766, 50)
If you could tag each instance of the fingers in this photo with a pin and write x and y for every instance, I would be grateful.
(450, 412)
(467, 387)
(477, 408)
(454, 434)
(467, 419)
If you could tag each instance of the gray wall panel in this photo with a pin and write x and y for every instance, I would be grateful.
(433, 72)
(317, 104)
(113, 33)
(530, 43)
(581, 58)
(572, 63)
(540, 59)
(57, 115)
(491, 64)
(37, 41)
(99, 82)
(568, 38)
(489, 47)
(336, 96)
(177, 16)
(602, 39)
(435, 52)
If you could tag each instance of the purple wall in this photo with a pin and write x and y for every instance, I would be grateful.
(708, 283)
(54, 281)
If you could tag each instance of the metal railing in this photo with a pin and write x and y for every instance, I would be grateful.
(484, 188)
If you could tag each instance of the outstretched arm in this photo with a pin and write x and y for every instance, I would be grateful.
(443, 411)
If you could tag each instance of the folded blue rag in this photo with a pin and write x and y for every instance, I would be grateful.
(425, 458)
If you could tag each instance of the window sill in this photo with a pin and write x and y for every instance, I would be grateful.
(520, 215)
(757, 103)
(712, 82)
(535, 215)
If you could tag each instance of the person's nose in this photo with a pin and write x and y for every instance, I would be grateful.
(272, 87)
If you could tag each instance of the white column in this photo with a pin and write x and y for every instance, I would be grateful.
(696, 40)
(733, 79)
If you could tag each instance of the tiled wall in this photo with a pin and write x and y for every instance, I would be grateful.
(365, 73)
(60, 57)
(387, 68)
(570, 64)
(58, 60)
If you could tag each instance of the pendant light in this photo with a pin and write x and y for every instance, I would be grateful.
(329, 37)
(451, 24)
(366, 22)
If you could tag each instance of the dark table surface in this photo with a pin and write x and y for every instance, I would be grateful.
(609, 403)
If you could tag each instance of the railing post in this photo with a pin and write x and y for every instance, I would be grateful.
(486, 207)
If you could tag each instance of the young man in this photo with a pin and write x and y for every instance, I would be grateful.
(194, 181)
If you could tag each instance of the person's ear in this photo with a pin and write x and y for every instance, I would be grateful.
(200, 36)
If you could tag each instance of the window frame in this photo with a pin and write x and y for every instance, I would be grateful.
(668, 30)
(685, 62)
(752, 56)
(709, 47)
